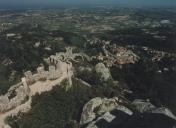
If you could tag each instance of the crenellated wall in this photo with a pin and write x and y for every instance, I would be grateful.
(18, 98)
(56, 69)
(13, 98)
(17, 93)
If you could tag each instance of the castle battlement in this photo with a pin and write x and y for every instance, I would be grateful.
(59, 67)
(55, 71)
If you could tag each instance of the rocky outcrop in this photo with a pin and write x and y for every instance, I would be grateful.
(109, 113)
(100, 105)
(145, 106)
(88, 114)
(142, 106)
(101, 69)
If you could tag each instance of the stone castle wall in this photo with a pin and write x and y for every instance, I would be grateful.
(13, 98)
(55, 71)
(18, 93)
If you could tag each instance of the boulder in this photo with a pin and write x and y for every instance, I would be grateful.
(107, 105)
(124, 109)
(105, 73)
(142, 105)
(88, 114)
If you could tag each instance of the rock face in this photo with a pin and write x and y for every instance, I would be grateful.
(101, 105)
(105, 73)
(108, 113)
(143, 106)
(88, 111)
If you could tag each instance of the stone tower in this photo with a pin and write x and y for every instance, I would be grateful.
(41, 73)
(29, 77)
(52, 73)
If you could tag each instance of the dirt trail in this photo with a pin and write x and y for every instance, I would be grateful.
(38, 87)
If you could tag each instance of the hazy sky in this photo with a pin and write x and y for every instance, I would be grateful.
(19, 3)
